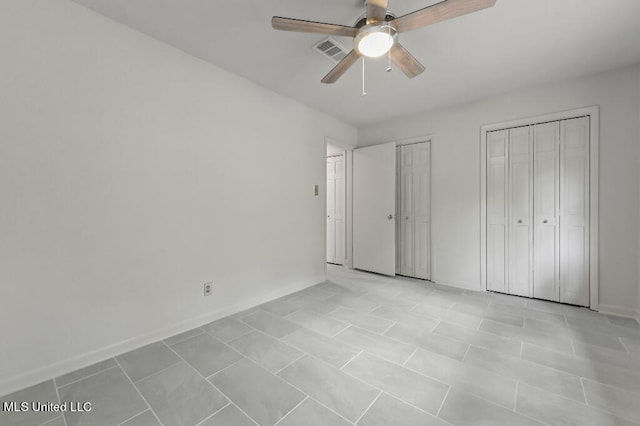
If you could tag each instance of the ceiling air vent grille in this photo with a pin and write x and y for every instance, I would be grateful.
(330, 49)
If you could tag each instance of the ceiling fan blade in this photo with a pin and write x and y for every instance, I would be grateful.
(405, 61)
(376, 10)
(341, 68)
(439, 12)
(300, 25)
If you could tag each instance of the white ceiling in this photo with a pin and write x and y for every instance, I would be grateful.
(517, 43)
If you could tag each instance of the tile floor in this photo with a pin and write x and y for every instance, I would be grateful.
(368, 350)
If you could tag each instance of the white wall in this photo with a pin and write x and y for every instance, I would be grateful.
(130, 174)
(456, 170)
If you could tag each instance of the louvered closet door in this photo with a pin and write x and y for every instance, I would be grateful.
(422, 210)
(546, 209)
(406, 225)
(574, 211)
(520, 256)
(497, 210)
(339, 209)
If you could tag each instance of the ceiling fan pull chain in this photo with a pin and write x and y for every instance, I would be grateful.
(389, 52)
(364, 93)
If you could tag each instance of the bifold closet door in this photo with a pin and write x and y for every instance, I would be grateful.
(413, 210)
(497, 144)
(574, 211)
(546, 202)
(520, 234)
(335, 210)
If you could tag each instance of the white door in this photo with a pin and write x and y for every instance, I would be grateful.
(331, 207)
(497, 210)
(546, 203)
(374, 205)
(422, 210)
(405, 211)
(574, 211)
(336, 237)
(520, 253)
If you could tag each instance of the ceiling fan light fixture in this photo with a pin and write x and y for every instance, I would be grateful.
(375, 40)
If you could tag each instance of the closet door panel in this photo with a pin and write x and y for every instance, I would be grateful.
(520, 200)
(331, 207)
(421, 210)
(497, 210)
(406, 211)
(574, 213)
(546, 203)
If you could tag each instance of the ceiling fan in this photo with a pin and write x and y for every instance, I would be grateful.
(377, 32)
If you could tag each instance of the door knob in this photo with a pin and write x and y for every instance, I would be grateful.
(545, 221)
(406, 217)
(519, 221)
(390, 217)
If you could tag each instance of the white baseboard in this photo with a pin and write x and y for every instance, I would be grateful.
(83, 360)
(619, 310)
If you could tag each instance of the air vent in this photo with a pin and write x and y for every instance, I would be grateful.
(330, 49)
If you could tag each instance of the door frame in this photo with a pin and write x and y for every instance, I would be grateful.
(594, 134)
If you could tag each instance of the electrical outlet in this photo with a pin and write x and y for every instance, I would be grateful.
(208, 288)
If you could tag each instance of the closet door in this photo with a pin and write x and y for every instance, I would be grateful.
(546, 203)
(339, 209)
(574, 211)
(421, 210)
(405, 238)
(497, 210)
(331, 207)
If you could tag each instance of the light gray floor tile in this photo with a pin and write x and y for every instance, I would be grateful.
(227, 329)
(368, 322)
(385, 347)
(113, 399)
(183, 336)
(260, 394)
(336, 288)
(265, 350)
(310, 413)
(323, 307)
(270, 324)
(594, 370)
(429, 341)
(462, 408)
(85, 372)
(288, 304)
(229, 416)
(444, 301)
(577, 335)
(490, 313)
(388, 410)
(406, 317)
(327, 349)
(333, 388)
(316, 322)
(623, 321)
(450, 316)
(180, 396)
(529, 313)
(147, 360)
(529, 372)
(478, 338)
(353, 302)
(318, 292)
(608, 356)
(43, 392)
(206, 354)
(604, 328)
(617, 401)
(396, 302)
(145, 419)
(548, 340)
(556, 410)
(409, 386)
(58, 421)
(245, 313)
(498, 389)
